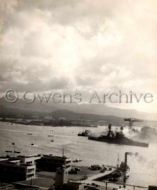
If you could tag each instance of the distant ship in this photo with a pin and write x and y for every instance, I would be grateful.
(117, 138)
(29, 133)
(50, 135)
(84, 133)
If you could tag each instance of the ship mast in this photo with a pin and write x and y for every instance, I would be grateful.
(125, 166)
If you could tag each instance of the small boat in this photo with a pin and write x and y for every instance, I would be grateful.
(50, 135)
(77, 160)
(17, 152)
(84, 133)
(29, 133)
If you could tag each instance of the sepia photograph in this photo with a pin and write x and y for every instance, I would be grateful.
(78, 95)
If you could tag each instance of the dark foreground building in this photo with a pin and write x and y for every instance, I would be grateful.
(17, 169)
(51, 163)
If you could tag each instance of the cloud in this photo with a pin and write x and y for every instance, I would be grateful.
(78, 44)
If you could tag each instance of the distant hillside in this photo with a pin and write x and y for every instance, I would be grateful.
(92, 117)
(74, 111)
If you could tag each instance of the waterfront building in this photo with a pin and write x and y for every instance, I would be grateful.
(18, 168)
(51, 163)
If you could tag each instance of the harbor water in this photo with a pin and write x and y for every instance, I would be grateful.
(64, 140)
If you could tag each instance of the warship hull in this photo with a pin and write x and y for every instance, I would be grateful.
(119, 141)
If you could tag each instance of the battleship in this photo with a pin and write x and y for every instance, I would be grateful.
(117, 138)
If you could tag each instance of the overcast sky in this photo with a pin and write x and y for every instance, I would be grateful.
(79, 44)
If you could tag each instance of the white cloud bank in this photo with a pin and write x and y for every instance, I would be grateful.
(86, 44)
